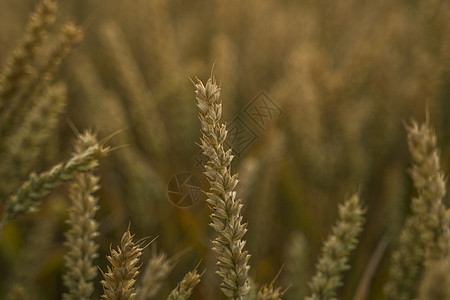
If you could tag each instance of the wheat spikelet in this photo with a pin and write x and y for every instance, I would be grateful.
(19, 65)
(226, 217)
(336, 250)
(425, 235)
(157, 269)
(184, 288)
(120, 278)
(80, 237)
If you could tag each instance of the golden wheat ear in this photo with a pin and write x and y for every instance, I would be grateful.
(336, 250)
(185, 287)
(226, 217)
(269, 292)
(119, 280)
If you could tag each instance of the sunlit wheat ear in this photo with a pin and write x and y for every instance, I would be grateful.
(226, 208)
(20, 65)
(80, 270)
(425, 235)
(185, 287)
(336, 251)
(118, 283)
(157, 269)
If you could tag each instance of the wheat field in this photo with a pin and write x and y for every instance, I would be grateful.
(245, 150)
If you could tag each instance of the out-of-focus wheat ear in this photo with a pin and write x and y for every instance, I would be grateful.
(32, 258)
(429, 181)
(435, 283)
(267, 292)
(185, 287)
(22, 147)
(157, 269)
(336, 250)
(118, 283)
(20, 66)
(297, 259)
(226, 208)
(425, 235)
(142, 105)
(17, 292)
(80, 238)
(19, 111)
(29, 194)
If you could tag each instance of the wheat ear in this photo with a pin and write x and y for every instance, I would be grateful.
(80, 237)
(268, 292)
(184, 288)
(157, 269)
(18, 110)
(435, 284)
(226, 209)
(19, 65)
(336, 251)
(425, 233)
(31, 191)
(19, 149)
(119, 280)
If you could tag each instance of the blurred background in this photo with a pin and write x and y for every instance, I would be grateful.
(315, 94)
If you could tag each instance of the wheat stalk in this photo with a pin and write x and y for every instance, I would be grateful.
(226, 209)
